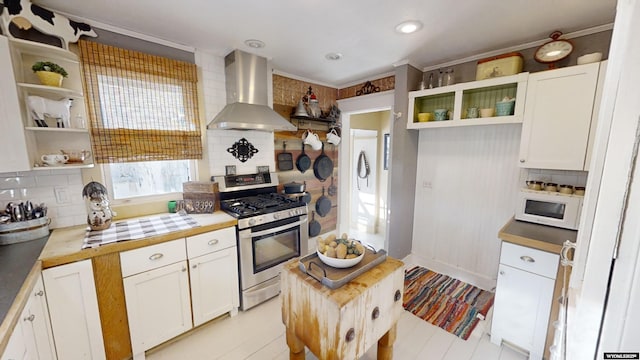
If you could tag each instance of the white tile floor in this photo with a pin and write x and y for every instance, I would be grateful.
(258, 334)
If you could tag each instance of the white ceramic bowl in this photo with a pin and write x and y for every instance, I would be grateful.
(590, 58)
(340, 263)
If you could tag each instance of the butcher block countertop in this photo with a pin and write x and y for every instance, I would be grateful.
(64, 246)
(541, 237)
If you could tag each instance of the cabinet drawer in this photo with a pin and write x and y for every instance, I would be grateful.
(212, 241)
(152, 257)
(528, 259)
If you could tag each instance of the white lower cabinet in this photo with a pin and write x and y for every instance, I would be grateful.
(73, 308)
(213, 266)
(158, 306)
(16, 348)
(524, 292)
(168, 283)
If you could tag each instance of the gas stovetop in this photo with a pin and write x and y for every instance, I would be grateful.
(259, 204)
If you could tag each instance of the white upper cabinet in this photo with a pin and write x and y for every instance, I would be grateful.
(69, 135)
(457, 99)
(12, 139)
(557, 117)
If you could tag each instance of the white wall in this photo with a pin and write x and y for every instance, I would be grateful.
(466, 186)
(41, 187)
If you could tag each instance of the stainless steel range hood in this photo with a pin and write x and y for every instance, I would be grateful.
(246, 85)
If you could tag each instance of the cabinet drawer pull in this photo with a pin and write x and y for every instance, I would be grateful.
(39, 293)
(526, 258)
(375, 313)
(213, 242)
(30, 318)
(156, 256)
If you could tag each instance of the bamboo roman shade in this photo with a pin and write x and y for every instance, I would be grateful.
(141, 107)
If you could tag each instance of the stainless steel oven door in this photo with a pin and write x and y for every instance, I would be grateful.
(264, 248)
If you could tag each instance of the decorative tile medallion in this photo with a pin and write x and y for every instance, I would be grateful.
(242, 150)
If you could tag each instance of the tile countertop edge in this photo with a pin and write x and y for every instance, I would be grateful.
(541, 237)
(64, 245)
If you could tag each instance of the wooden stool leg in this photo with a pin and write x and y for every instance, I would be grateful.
(296, 346)
(385, 344)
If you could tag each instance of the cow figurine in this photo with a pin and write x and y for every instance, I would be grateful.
(25, 14)
(40, 108)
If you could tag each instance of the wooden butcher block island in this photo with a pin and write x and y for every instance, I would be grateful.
(342, 323)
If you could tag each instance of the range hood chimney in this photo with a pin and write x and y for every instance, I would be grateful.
(246, 85)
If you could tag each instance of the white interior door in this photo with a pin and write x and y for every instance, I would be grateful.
(364, 198)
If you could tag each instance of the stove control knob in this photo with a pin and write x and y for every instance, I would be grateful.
(252, 222)
(292, 213)
(276, 216)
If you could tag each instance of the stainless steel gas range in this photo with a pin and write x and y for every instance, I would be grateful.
(272, 228)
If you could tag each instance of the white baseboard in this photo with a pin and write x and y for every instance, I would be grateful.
(472, 278)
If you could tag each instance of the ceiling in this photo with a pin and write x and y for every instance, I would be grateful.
(298, 33)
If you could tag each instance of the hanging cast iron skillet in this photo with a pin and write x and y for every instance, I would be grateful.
(285, 159)
(303, 162)
(323, 166)
(323, 205)
(306, 197)
(332, 190)
(314, 225)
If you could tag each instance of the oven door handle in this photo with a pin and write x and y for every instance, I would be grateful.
(279, 228)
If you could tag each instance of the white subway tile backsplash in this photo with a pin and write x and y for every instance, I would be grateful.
(38, 187)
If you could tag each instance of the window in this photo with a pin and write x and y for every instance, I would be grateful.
(143, 116)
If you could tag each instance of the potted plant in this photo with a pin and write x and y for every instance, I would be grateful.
(49, 73)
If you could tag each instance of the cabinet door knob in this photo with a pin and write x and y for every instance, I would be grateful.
(521, 160)
(30, 318)
(397, 295)
(39, 293)
(156, 256)
(194, 266)
(351, 334)
(375, 313)
(213, 242)
(184, 268)
(501, 272)
(528, 259)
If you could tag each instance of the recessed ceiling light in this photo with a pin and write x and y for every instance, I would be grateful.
(409, 26)
(253, 43)
(333, 56)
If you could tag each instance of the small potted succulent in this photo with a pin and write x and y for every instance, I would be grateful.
(49, 73)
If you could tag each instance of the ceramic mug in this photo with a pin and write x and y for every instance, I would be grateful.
(440, 114)
(310, 138)
(333, 138)
(54, 159)
(472, 113)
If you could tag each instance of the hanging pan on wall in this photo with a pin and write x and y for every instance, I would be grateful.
(306, 197)
(323, 166)
(323, 205)
(314, 225)
(285, 159)
(303, 162)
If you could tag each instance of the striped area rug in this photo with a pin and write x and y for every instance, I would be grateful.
(444, 301)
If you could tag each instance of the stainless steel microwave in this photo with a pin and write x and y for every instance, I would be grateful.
(549, 208)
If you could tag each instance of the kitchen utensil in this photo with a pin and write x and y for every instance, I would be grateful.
(440, 114)
(323, 205)
(77, 156)
(339, 263)
(333, 137)
(285, 159)
(323, 166)
(487, 112)
(333, 190)
(293, 188)
(306, 197)
(314, 225)
(54, 159)
(303, 162)
(300, 110)
(534, 185)
(312, 140)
